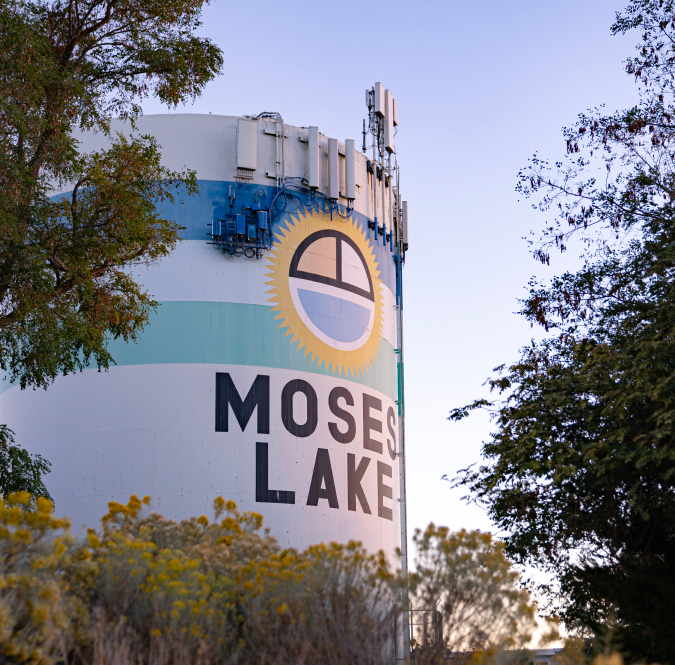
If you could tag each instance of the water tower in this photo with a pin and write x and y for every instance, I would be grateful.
(272, 371)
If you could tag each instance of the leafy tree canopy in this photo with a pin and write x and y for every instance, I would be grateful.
(580, 471)
(468, 580)
(19, 470)
(73, 64)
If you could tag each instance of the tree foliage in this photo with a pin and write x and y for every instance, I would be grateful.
(580, 471)
(67, 65)
(467, 578)
(19, 470)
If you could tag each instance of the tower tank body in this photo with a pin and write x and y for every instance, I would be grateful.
(269, 373)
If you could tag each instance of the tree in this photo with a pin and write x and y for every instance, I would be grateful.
(73, 64)
(580, 471)
(65, 290)
(19, 470)
(466, 577)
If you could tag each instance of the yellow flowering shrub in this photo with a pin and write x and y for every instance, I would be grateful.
(166, 590)
(147, 590)
(35, 551)
(222, 591)
(330, 604)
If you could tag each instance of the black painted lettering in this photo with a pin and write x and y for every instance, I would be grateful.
(322, 474)
(299, 386)
(262, 493)
(258, 397)
(370, 424)
(354, 478)
(336, 410)
(383, 491)
(391, 423)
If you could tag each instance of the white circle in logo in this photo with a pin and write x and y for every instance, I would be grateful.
(332, 289)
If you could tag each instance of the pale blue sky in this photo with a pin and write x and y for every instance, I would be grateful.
(480, 86)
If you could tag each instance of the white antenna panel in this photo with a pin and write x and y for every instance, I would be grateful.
(388, 121)
(313, 158)
(333, 169)
(350, 169)
(247, 144)
(404, 225)
(380, 108)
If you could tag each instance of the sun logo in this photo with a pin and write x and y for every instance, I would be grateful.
(325, 286)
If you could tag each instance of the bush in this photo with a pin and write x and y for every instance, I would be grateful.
(147, 590)
(152, 590)
(36, 552)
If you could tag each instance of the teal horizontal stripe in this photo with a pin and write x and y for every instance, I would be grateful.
(233, 334)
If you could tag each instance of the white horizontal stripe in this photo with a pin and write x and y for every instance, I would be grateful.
(149, 429)
(198, 272)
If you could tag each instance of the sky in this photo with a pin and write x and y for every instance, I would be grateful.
(480, 86)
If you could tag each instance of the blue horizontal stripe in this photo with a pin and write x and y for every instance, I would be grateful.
(197, 213)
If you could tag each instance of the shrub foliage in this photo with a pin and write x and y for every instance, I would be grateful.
(149, 590)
